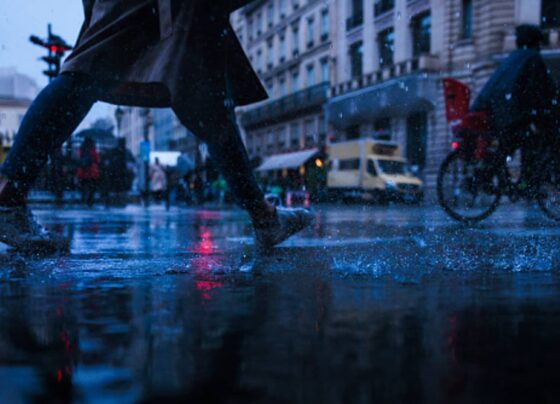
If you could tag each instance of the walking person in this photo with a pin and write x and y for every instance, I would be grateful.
(164, 53)
(88, 172)
(158, 181)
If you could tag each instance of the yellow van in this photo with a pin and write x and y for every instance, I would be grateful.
(371, 170)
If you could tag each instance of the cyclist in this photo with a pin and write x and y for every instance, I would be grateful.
(521, 99)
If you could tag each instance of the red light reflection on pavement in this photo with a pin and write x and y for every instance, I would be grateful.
(205, 263)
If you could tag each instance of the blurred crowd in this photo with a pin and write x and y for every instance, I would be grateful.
(114, 177)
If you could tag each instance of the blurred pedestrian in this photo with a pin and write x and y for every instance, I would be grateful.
(117, 174)
(88, 171)
(158, 181)
(178, 54)
(219, 188)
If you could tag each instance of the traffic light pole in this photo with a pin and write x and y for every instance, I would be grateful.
(56, 48)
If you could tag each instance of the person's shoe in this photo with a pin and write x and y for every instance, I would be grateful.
(20, 230)
(288, 221)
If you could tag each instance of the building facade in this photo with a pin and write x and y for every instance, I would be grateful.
(165, 131)
(289, 44)
(16, 94)
(383, 64)
(133, 126)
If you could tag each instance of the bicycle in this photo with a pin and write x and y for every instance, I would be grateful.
(473, 178)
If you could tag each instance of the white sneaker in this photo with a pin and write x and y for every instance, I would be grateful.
(289, 221)
(20, 230)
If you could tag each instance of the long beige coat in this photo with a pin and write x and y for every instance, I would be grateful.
(158, 49)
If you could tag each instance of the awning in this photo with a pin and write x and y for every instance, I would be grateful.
(396, 97)
(287, 160)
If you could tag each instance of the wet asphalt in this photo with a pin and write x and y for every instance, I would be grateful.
(372, 304)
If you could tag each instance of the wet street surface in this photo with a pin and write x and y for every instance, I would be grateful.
(373, 304)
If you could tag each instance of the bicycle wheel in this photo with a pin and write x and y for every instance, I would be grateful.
(548, 195)
(461, 193)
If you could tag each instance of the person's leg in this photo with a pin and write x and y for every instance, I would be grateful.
(50, 120)
(217, 127)
(207, 109)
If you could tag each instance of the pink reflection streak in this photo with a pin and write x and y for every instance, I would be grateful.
(204, 264)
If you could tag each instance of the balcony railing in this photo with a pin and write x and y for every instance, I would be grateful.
(301, 101)
(382, 6)
(424, 63)
(354, 21)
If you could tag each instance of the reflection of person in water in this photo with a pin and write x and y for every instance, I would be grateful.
(180, 54)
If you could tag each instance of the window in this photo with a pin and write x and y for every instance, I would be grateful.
(281, 138)
(349, 164)
(295, 81)
(371, 168)
(270, 15)
(421, 34)
(270, 87)
(250, 28)
(259, 22)
(322, 130)
(270, 53)
(353, 132)
(281, 87)
(356, 59)
(550, 15)
(294, 135)
(282, 49)
(310, 75)
(310, 32)
(355, 14)
(325, 70)
(386, 41)
(382, 6)
(258, 61)
(467, 19)
(282, 6)
(295, 40)
(382, 129)
(310, 132)
(324, 25)
(270, 142)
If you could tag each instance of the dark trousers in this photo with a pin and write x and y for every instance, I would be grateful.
(88, 188)
(62, 105)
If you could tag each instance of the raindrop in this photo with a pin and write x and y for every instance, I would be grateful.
(398, 16)
(508, 96)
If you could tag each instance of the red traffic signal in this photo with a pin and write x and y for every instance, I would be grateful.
(58, 49)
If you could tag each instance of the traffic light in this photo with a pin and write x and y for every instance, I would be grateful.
(54, 66)
(57, 47)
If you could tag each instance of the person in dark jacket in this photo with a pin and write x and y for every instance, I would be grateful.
(164, 53)
(519, 94)
(88, 171)
(117, 174)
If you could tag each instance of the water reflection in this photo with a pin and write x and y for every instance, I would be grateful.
(175, 317)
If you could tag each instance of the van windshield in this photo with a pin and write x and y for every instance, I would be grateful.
(393, 167)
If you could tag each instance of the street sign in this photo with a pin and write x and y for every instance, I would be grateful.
(145, 151)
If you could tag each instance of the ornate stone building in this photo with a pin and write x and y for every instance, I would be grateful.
(383, 60)
(290, 44)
